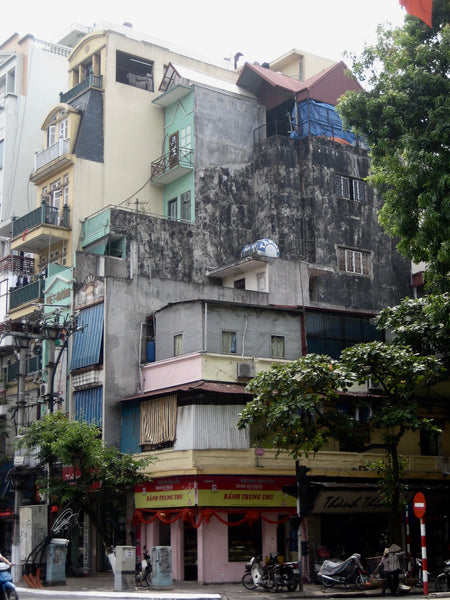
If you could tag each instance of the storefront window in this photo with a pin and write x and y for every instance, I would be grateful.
(244, 540)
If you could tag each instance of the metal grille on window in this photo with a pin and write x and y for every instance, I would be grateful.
(158, 421)
(359, 190)
(342, 186)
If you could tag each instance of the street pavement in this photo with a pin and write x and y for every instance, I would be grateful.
(101, 585)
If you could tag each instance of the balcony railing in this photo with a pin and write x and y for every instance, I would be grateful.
(27, 293)
(91, 81)
(43, 215)
(54, 151)
(183, 158)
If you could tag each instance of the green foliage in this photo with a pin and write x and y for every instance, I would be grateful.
(98, 472)
(422, 323)
(404, 115)
(287, 408)
(391, 480)
(296, 405)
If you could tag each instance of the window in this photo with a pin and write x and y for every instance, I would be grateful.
(186, 137)
(51, 135)
(134, 71)
(430, 443)
(244, 538)
(88, 343)
(354, 261)
(178, 344)
(172, 209)
(186, 206)
(329, 333)
(158, 423)
(228, 345)
(277, 349)
(64, 129)
(350, 188)
(239, 284)
(2, 151)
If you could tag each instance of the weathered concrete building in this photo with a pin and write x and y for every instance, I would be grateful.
(218, 223)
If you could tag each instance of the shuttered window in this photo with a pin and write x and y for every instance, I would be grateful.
(87, 343)
(158, 422)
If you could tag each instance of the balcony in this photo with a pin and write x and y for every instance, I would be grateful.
(92, 81)
(17, 264)
(172, 166)
(42, 226)
(60, 148)
(33, 292)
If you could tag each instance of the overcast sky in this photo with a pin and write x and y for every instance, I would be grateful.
(262, 30)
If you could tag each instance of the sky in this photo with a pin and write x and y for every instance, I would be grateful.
(261, 30)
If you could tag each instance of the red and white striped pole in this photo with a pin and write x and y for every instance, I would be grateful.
(423, 542)
(419, 506)
(408, 543)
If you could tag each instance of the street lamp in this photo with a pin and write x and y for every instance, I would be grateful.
(51, 331)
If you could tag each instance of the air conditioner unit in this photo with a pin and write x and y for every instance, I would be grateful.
(245, 370)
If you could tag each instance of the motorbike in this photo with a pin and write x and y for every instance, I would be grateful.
(285, 576)
(7, 587)
(256, 574)
(144, 569)
(348, 571)
(442, 583)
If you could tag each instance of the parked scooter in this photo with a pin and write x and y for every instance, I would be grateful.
(443, 579)
(7, 587)
(344, 572)
(144, 569)
(286, 576)
(256, 574)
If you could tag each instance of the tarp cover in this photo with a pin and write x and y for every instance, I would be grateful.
(319, 118)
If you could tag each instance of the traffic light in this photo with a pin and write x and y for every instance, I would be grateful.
(305, 490)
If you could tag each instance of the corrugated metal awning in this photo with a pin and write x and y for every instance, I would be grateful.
(89, 405)
(205, 386)
(88, 342)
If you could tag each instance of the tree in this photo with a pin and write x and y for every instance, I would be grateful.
(98, 472)
(422, 323)
(404, 115)
(296, 406)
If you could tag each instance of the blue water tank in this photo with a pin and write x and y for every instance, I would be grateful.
(264, 247)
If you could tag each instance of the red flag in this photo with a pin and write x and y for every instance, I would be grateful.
(421, 9)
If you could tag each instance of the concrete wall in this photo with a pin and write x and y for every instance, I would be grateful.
(253, 329)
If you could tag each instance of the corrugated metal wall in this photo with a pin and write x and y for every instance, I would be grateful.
(215, 427)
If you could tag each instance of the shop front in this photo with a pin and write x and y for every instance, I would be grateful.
(214, 524)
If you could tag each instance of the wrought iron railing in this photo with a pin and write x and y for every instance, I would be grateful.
(26, 293)
(183, 158)
(91, 81)
(43, 215)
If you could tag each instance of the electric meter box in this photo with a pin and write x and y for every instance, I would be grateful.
(124, 568)
(125, 558)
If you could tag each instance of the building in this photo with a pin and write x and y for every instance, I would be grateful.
(215, 223)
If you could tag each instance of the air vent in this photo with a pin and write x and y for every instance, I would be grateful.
(245, 370)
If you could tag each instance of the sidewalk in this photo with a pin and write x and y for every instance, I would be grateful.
(101, 585)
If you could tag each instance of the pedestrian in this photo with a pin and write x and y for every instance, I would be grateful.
(390, 564)
(4, 559)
